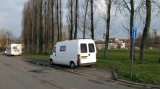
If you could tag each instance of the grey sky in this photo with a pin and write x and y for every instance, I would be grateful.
(11, 15)
(11, 19)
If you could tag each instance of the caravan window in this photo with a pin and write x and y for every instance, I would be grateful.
(14, 47)
(83, 48)
(91, 48)
(62, 48)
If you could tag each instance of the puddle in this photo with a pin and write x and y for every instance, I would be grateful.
(37, 71)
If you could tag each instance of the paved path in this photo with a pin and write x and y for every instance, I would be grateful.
(16, 74)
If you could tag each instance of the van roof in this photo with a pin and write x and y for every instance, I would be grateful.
(76, 40)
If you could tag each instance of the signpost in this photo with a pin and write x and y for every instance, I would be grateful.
(134, 33)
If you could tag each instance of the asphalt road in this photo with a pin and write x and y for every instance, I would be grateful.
(17, 74)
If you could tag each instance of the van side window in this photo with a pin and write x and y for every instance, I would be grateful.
(62, 48)
(83, 48)
(91, 48)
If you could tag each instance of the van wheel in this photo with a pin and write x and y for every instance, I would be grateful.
(51, 62)
(72, 65)
(89, 65)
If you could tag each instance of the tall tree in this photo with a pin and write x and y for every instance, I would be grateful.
(92, 20)
(71, 19)
(146, 29)
(52, 26)
(129, 6)
(60, 12)
(40, 34)
(45, 29)
(107, 27)
(34, 37)
(76, 19)
(85, 18)
(57, 12)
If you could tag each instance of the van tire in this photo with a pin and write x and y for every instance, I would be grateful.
(89, 65)
(51, 62)
(72, 65)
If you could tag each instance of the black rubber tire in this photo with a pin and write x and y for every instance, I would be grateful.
(51, 62)
(89, 65)
(72, 65)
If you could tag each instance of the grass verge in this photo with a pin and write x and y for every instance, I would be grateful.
(147, 72)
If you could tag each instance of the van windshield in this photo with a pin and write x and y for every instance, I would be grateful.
(83, 48)
(91, 48)
(54, 50)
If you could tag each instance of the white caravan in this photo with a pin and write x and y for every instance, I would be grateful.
(14, 49)
(81, 52)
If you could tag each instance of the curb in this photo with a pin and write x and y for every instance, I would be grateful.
(133, 84)
(37, 63)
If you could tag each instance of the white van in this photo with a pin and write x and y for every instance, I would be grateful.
(14, 49)
(74, 53)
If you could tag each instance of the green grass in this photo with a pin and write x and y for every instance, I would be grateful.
(147, 72)
(37, 56)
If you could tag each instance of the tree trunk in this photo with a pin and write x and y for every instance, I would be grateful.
(107, 28)
(92, 20)
(58, 37)
(131, 25)
(35, 28)
(40, 29)
(52, 31)
(71, 21)
(85, 17)
(60, 21)
(146, 29)
(76, 20)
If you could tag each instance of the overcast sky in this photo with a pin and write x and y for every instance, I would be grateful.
(11, 15)
(11, 19)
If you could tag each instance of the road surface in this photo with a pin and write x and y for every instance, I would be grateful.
(17, 74)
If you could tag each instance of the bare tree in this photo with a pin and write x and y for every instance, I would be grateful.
(85, 18)
(76, 19)
(107, 27)
(70, 2)
(53, 25)
(61, 24)
(92, 20)
(146, 29)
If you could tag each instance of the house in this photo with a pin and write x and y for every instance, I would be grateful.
(127, 43)
(113, 43)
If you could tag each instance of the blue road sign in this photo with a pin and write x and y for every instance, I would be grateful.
(134, 32)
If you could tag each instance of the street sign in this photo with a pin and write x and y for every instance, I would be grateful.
(134, 32)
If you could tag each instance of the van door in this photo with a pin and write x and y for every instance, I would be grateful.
(92, 53)
(84, 53)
